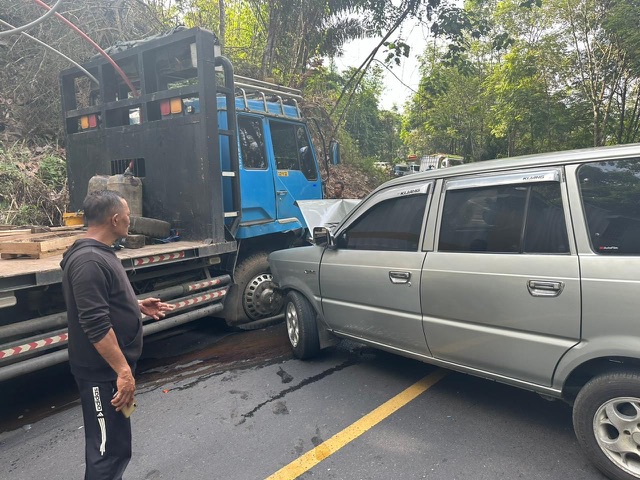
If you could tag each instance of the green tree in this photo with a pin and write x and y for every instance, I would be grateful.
(599, 63)
(363, 121)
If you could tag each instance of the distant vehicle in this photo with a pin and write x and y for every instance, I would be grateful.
(524, 271)
(400, 170)
(384, 166)
(403, 169)
(439, 160)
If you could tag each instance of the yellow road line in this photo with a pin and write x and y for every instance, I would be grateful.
(313, 457)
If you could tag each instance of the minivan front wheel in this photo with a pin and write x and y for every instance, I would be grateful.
(302, 329)
(606, 419)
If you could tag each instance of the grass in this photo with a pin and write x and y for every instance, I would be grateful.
(33, 185)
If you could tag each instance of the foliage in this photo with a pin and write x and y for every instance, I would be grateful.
(33, 186)
(511, 77)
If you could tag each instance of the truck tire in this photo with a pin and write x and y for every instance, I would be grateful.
(606, 419)
(151, 227)
(302, 327)
(252, 298)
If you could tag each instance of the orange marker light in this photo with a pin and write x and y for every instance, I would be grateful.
(176, 105)
(84, 122)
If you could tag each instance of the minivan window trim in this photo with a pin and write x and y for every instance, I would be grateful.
(531, 176)
(414, 188)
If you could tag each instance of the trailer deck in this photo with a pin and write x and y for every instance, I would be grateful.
(18, 273)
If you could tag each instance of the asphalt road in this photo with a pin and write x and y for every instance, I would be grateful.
(218, 404)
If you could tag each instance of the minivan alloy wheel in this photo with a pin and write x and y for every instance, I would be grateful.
(606, 419)
(616, 427)
(293, 327)
(302, 329)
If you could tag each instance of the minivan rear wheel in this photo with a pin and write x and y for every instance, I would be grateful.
(302, 328)
(606, 419)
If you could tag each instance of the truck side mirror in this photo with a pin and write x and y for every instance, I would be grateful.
(322, 237)
(334, 152)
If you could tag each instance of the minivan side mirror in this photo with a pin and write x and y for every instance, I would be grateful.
(322, 237)
(334, 152)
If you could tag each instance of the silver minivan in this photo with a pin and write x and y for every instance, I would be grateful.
(524, 270)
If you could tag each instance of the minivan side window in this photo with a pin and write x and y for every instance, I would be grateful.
(611, 201)
(391, 225)
(251, 138)
(522, 218)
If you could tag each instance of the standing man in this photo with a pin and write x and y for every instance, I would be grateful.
(338, 189)
(105, 333)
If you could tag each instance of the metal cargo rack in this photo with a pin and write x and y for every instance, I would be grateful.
(249, 88)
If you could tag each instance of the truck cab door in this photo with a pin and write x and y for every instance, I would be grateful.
(296, 175)
(257, 186)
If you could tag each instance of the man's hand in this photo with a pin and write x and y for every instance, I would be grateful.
(154, 308)
(109, 349)
(126, 385)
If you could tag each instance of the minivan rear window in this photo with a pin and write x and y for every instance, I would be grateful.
(611, 202)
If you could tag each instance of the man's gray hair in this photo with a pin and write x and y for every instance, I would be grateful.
(100, 205)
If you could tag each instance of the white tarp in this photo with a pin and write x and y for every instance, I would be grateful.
(326, 213)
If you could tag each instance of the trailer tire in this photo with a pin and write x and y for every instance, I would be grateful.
(151, 227)
(252, 298)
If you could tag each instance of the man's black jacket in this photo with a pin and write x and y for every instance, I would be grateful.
(98, 297)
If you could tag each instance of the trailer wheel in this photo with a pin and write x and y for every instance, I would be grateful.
(606, 419)
(252, 299)
(302, 328)
(151, 227)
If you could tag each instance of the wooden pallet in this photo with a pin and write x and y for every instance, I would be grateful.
(25, 232)
(37, 245)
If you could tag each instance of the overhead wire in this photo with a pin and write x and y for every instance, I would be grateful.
(117, 68)
(57, 52)
(52, 11)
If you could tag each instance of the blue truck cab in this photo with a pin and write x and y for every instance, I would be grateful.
(278, 165)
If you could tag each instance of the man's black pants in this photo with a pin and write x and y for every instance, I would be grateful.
(107, 432)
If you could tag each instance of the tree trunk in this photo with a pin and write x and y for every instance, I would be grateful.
(597, 131)
(269, 49)
(223, 25)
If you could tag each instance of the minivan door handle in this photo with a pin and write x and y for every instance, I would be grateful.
(545, 288)
(399, 277)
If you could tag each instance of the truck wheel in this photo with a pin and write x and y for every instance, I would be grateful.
(301, 326)
(606, 419)
(151, 227)
(253, 297)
